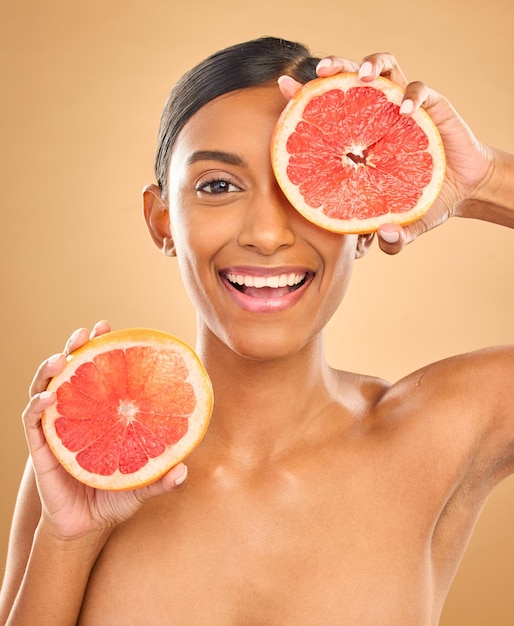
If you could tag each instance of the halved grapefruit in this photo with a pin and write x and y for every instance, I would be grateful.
(130, 405)
(348, 161)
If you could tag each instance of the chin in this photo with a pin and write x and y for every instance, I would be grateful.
(266, 339)
(268, 346)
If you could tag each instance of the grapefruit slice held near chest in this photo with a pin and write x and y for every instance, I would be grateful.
(348, 161)
(130, 405)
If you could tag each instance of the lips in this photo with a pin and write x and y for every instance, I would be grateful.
(259, 285)
(266, 290)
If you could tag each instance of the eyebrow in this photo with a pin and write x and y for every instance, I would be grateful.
(215, 155)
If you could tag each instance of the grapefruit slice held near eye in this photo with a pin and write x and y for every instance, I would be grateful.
(348, 161)
(130, 405)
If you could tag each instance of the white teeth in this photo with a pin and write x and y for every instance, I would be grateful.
(279, 280)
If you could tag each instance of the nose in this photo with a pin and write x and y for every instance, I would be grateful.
(268, 223)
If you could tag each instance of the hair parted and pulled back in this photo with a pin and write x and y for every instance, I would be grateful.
(249, 64)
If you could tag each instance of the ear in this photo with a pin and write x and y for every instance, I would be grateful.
(157, 218)
(363, 244)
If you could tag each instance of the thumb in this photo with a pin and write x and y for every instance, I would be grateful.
(169, 482)
(392, 238)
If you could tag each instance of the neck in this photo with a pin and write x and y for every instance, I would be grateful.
(264, 407)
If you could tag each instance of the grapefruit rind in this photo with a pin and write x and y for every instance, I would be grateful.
(156, 467)
(293, 113)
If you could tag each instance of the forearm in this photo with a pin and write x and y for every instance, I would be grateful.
(493, 201)
(55, 580)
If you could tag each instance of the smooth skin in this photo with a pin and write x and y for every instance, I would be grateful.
(317, 495)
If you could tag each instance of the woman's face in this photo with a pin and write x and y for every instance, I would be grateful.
(263, 279)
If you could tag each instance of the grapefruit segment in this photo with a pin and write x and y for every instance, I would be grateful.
(130, 405)
(348, 161)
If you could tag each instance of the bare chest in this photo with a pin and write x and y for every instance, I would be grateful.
(303, 553)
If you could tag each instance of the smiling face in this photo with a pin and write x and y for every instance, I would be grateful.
(263, 280)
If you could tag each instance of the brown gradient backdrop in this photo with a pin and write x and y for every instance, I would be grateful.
(83, 86)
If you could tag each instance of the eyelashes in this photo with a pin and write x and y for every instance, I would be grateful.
(217, 186)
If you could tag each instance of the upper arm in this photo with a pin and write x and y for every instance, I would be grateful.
(469, 401)
(26, 517)
(493, 381)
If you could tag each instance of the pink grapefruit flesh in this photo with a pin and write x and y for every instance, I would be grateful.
(348, 161)
(131, 404)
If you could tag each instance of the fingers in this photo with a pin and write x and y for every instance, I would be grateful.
(100, 328)
(40, 399)
(81, 336)
(371, 66)
(416, 94)
(392, 238)
(176, 476)
(331, 65)
(288, 86)
(55, 363)
(32, 418)
(326, 67)
(171, 481)
(45, 372)
(380, 64)
(77, 338)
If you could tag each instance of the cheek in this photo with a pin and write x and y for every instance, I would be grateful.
(195, 251)
(346, 259)
(185, 248)
(194, 283)
(339, 269)
(189, 262)
(339, 252)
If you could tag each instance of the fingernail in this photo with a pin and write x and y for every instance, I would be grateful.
(390, 236)
(93, 330)
(182, 478)
(45, 395)
(74, 335)
(286, 82)
(365, 69)
(54, 358)
(407, 107)
(324, 63)
(70, 341)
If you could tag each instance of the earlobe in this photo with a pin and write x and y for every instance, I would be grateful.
(363, 244)
(157, 219)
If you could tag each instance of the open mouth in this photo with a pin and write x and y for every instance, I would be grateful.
(273, 286)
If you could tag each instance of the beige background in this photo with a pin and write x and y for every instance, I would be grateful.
(82, 89)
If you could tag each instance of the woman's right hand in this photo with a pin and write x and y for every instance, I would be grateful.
(70, 508)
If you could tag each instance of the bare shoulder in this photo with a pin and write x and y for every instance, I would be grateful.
(480, 381)
(465, 403)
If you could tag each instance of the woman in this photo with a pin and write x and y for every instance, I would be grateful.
(317, 496)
